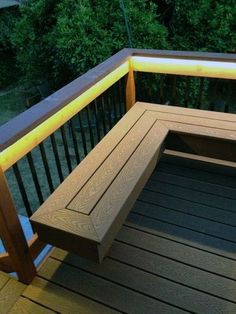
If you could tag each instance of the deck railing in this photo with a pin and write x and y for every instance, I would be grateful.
(41, 146)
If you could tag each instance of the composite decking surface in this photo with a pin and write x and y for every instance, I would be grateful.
(174, 254)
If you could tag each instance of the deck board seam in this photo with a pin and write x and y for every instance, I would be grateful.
(196, 180)
(186, 213)
(182, 243)
(113, 148)
(186, 115)
(38, 303)
(192, 201)
(5, 283)
(76, 292)
(114, 178)
(190, 188)
(118, 284)
(171, 223)
(197, 169)
(174, 281)
(172, 259)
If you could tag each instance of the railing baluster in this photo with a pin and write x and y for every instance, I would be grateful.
(162, 89)
(76, 148)
(174, 93)
(35, 177)
(120, 98)
(66, 149)
(12, 235)
(90, 126)
(108, 112)
(113, 100)
(103, 116)
(96, 113)
(56, 156)
(187, 86)
(149, 90)
(46, 167)
(200, 95)
(21, 186)
(82, 134)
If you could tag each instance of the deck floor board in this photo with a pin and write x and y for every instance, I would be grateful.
(176, 252)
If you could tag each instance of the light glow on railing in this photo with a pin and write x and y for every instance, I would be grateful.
(226, 70)
(204, 68)
(25, 144)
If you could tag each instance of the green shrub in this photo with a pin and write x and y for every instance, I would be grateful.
(8, 18)
(205, 25)
(61, 40)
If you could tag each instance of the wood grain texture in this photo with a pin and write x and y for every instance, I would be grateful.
(194, 125)
(62, 300)
(119, 191)
(116, 224)
(199, 130)
(12, 235)
(35, 246)
(78, 178)
(187, 111)
(168, 268)
(206, 160)
(182, 219)
(104, 291)
(130, 89)
(109, 194)
(75, 243)
(100, 192)
(186, 205)
(91, 192)
(154, 264)
(3, 279)
(208, 146)
(9, 294)
(69, 221)
(25, 306)
(213, 201)
(149, 277)
(155, 240)
(6, 263)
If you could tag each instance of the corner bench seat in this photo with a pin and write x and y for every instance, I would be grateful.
(86, 211)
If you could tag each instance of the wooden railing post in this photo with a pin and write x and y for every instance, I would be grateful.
(130, 88)
(12, 235)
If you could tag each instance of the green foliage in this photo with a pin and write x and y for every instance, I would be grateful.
(29, 38)
(62, 39)
(7, 58)
(205, 25)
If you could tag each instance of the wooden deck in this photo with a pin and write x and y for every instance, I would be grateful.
(174, 254)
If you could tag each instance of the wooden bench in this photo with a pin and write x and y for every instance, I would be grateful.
(87, 210)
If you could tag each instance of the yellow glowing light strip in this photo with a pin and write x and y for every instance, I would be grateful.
(226, 70)
(25, 144)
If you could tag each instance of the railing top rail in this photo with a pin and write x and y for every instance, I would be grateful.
(17, 127)
(197, 55)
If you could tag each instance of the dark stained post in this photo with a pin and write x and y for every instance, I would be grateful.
(12, 235)
(130, 88)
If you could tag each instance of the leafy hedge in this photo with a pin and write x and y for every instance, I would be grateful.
(59, 40)
(62, 39)
(7, 54)
(206, 25)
